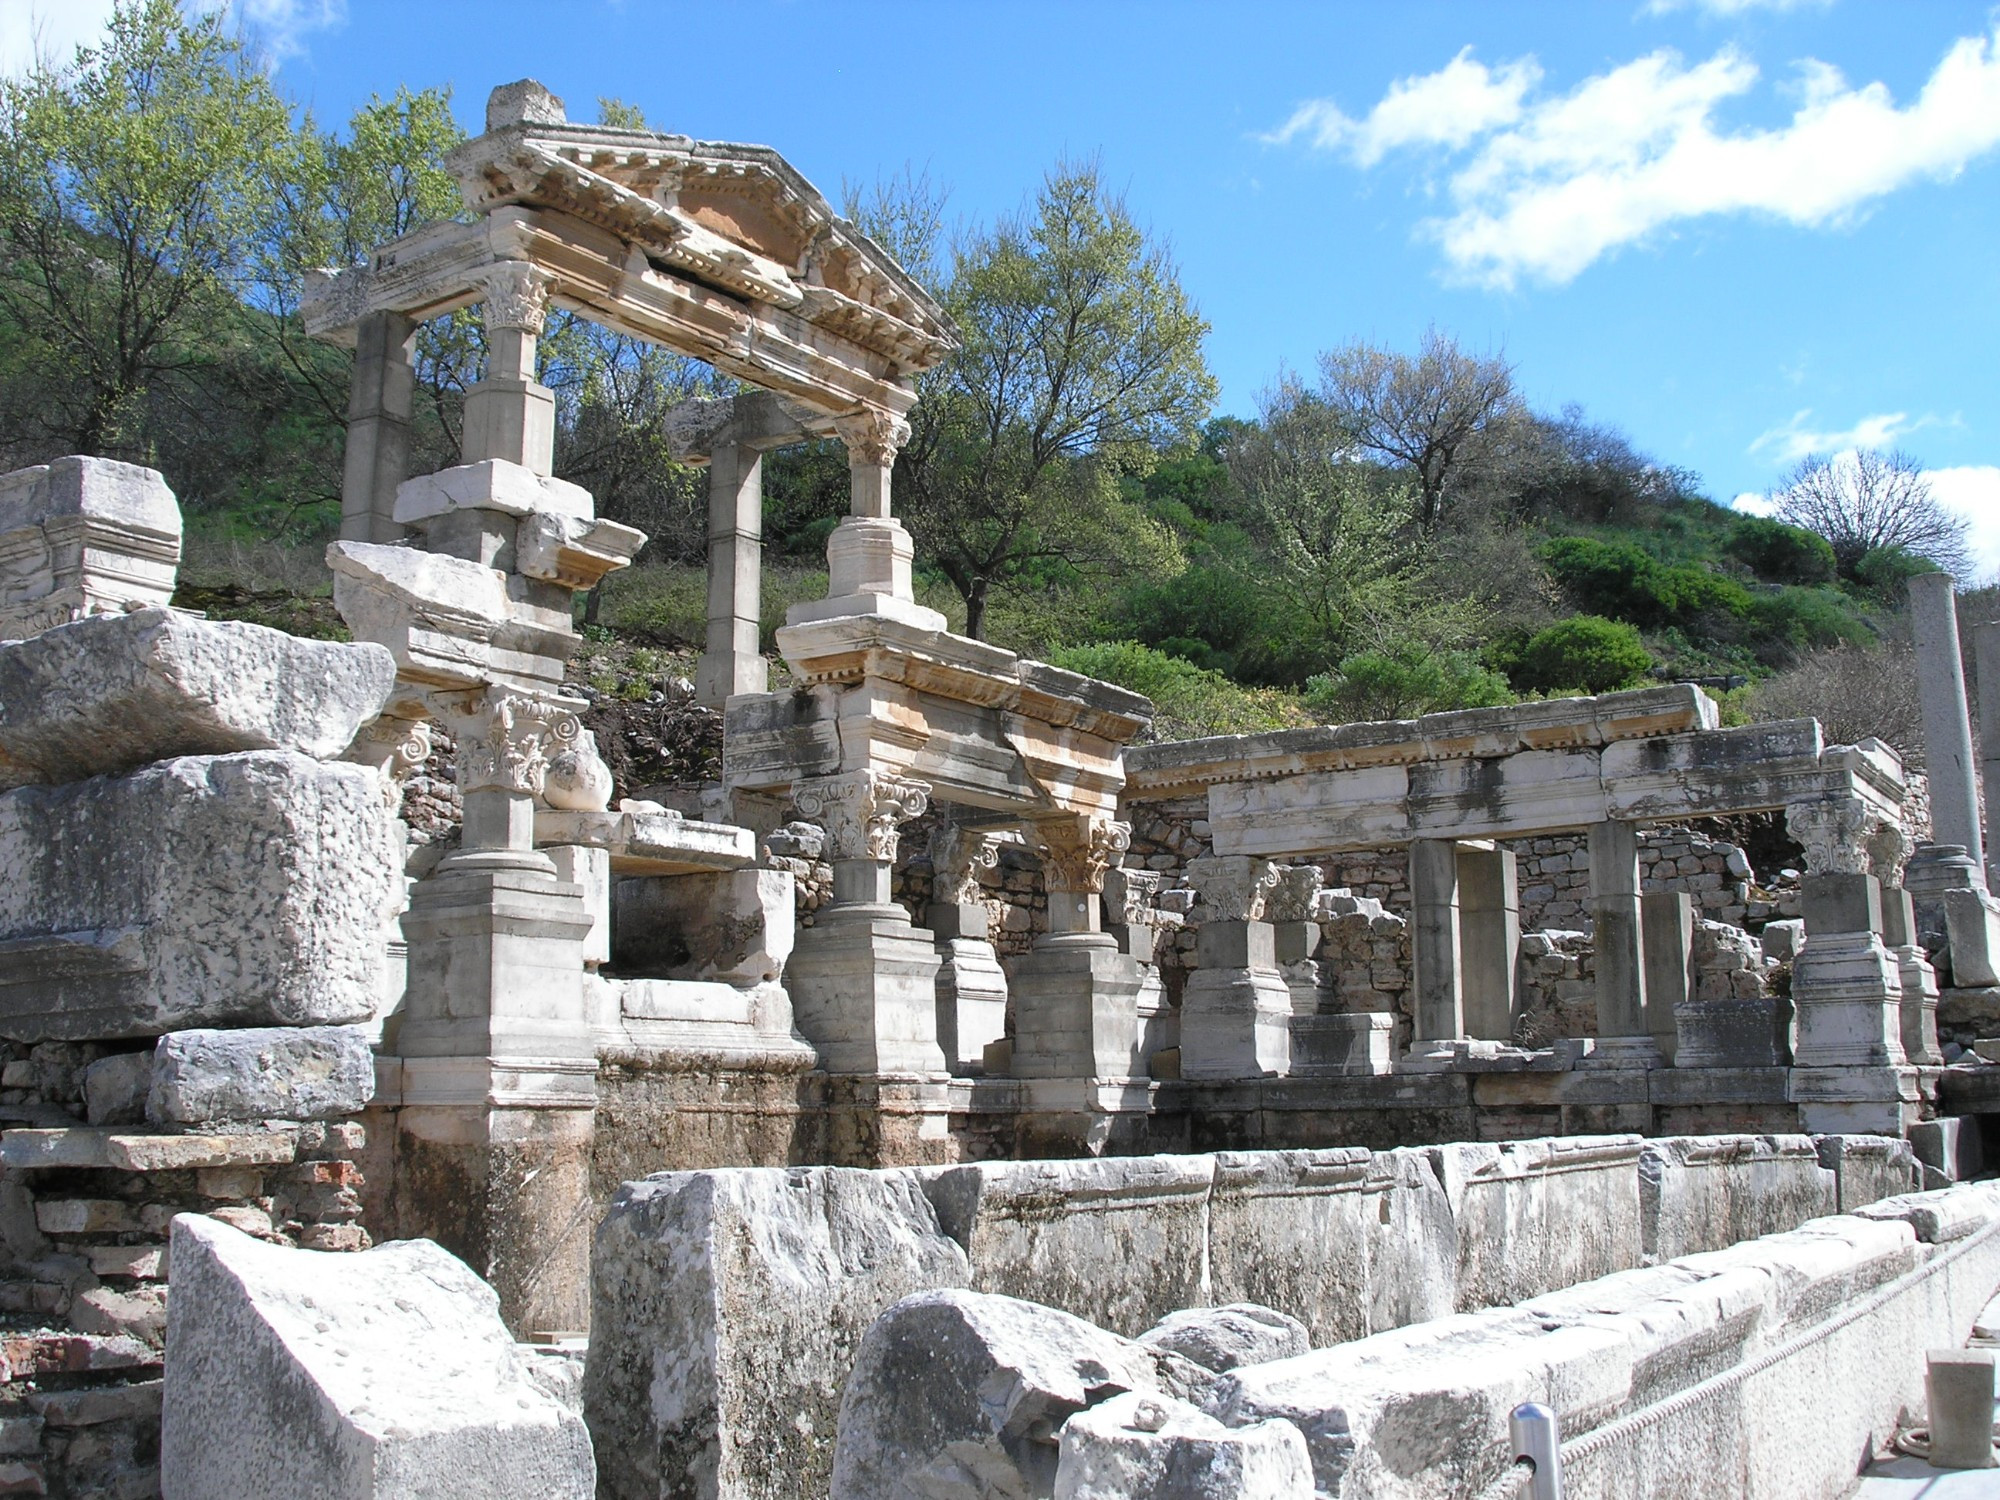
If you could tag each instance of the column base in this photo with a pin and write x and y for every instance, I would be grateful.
(864, 991)
(1438, 1055)
(1236, 1023)
(1076, 1009)
(1848, 995)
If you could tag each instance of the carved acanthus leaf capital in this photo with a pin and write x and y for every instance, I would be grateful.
(958, 854)
(1234, 887)
(395, 748)
(1295, 895)
(1848, 836)
(1078, 852)
(861, 810)
(872, 436)
(507, 740)
(517, 296)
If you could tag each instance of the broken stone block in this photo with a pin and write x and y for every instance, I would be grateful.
(1699, 1193)
(958, 1392)
(114, 1088)
(384, 1373)
(1221, 1338)
(211, 890)
(726, 1308)
(84, 536)
(1136, 1446)
(261, 1073)
(116, 692)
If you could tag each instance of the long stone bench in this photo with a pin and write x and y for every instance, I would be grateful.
(721, 1335)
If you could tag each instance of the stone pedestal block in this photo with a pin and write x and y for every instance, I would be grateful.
(1958, 1385)
(212, 890)
(864, 991)
(1920, 985)
(1076, 1009)
(1345, 1044)
(260, 1073)
(84, 536)
(1236, 1011)
(971, 995)
(1752, 1033)
(1972, 925)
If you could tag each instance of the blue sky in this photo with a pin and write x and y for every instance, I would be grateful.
(1740, 230)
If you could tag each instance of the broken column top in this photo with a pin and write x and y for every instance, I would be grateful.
(84, 536)
(100, 489)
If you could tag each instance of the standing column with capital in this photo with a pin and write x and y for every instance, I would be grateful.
(869, 554)
(510, 415)
(1076, 995)
(863, 977)
(496, 1061)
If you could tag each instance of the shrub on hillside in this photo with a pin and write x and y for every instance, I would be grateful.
(1621, 581)
(1587, 654)
(1885, 571)
(1402, 682)
(1779, 553)
(1801, 619)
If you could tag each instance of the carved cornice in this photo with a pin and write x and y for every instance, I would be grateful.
(860, 810)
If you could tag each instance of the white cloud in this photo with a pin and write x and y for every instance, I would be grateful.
(1452, 107)
(1973, 491)
(1796, 440)
(1730, 9)
(51, 29)
(279, 27)
(1753, 504)
(1552, 185)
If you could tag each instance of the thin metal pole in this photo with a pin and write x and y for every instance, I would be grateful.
(1537, 1439)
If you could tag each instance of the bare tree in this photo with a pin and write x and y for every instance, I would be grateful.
(1441, 412)
(1854, 692)
(1870, 499)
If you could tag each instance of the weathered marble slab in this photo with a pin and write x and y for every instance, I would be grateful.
(84, 536)
(225, 890)
(115, 692)
(650, 843)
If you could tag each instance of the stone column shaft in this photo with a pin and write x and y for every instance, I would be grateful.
(868, 556)
(1624, 1031)
(730, 661)
(377, 454)
(1489, 940)
(1986, 652)
(510, 415)
(1947, 727)
(1667, 927)
(1434, 944)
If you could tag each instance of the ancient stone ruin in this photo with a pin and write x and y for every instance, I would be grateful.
(975, 1101)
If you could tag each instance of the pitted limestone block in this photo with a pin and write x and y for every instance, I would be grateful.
(211, 890)
(84, 536)
(116, 692)
(382, 1374)
(1221, 1338)
(1701, 1193)
(1536, 1215)
(726, 1310)
(261, 1073)
(1136, 1447)
(1118, 1240)
(114, 1088)
(961, 1393)
(1347, 1240)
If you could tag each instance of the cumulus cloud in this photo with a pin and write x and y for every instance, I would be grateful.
(51, 29)
(1452, 107)
(1797, 439)
(1545, 187)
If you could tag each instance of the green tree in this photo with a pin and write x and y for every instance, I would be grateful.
(134, 183)
(1081, 362)
(1586, 653)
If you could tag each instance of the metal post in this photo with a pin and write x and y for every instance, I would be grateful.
(1537, 1440)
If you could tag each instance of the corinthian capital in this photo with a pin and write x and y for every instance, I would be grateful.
(1077, 852)
(1234, 886)
(958, 854)
(507, 740)
(872, 436)
(1293, 898)
(517, 296)
(860, 810)
(1847, 836)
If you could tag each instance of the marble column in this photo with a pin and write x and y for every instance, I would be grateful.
(1986, 655)
(1666, 921)
(1624, 1030)
(864, 978)
(1947, 727)
(971, 986)
(496, 1061)
(730, 660)
(509, 415)
(1489, 939)
(376, 457)
(1076, 993)
(1437, 985)
(1236, 1011)
(869, 554)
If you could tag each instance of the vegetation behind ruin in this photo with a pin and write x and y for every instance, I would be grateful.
(1391, 533)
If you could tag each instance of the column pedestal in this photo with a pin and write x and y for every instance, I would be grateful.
(971, 986)
(1076, 1012)
(864, 991)
(1919, 979)
(1236, 1011)
(1850, 1071)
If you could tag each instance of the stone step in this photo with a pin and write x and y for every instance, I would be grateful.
(122, 1151)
